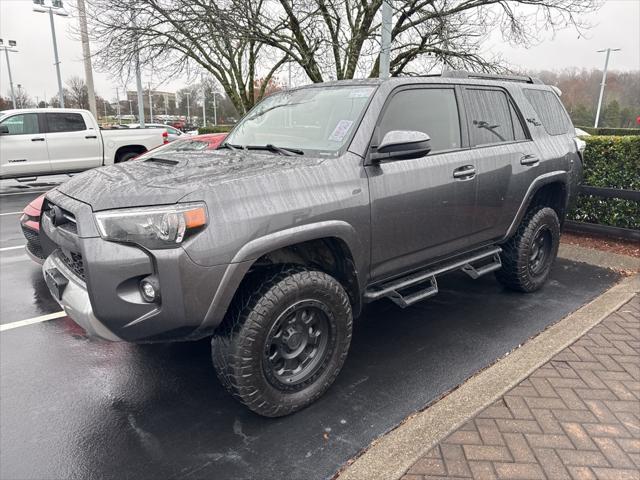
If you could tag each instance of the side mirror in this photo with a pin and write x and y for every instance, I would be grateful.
(4, 130)
(402, 145)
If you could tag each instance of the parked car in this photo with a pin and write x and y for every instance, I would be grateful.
(172, 133)
(30, 224)
(47, 141)
(321, 199)
(30, 219)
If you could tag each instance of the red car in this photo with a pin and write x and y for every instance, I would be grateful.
(30, 220)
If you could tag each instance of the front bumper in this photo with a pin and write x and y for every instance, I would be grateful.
(102, 292)
(31, 233)
(75, 300)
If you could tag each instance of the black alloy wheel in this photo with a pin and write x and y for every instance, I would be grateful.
(297, 345)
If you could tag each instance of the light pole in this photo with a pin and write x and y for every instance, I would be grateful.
(56, 8)
(86, 53)
(150, 104)
(7, 49)
(215, 109)
(20, 100)
(204, 100)
(118, 107)
(604, 80)
(385, 39)
(188, 111)
(130, 107)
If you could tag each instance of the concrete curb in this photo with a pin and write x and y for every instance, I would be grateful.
(599, 258)
(390, 456)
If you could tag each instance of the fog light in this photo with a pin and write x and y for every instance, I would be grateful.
(150, 289)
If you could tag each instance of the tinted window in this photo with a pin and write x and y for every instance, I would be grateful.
(489, 116)
(65, 122)
(22, 124)
(433, 111)
(549, 110)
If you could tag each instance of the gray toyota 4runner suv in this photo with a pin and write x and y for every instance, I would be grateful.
(321, 199)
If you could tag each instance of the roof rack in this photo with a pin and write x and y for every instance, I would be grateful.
(489, 76)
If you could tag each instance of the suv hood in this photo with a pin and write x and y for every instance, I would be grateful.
(166, 178)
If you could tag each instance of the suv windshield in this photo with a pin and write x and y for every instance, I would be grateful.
(310, 119)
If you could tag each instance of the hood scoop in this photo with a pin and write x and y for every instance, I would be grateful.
(163, 161)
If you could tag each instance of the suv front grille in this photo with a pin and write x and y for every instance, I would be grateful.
(74, 262)
(67, 220)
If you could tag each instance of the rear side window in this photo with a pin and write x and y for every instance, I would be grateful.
(433, 111)
(549, 110)
(490, 117)
(24, 124)
(65, 122)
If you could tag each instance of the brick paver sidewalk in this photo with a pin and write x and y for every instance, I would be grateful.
(576, 417)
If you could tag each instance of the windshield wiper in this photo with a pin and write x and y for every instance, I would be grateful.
(274, 148)
(231, 147)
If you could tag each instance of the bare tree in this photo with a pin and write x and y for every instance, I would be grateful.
(338, 39)
(176, 37)
(241, 41)
(78, 94)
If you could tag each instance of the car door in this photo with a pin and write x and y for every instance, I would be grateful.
(505, 158)
(73, 144)
(23, 148)
(421, 208)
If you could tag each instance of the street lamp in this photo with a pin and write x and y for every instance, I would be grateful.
(188, 108)
(604, 80)
(56, 8)
(9, 48)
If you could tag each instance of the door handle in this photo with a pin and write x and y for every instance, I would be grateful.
(91, 136)
(529, 160)
(38, 139)
(464, 173)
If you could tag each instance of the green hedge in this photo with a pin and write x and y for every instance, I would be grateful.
(612, 162)
(216, 129)
(618, 132)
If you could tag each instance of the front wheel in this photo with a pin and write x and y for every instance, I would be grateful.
(528, 256)
(285, 344)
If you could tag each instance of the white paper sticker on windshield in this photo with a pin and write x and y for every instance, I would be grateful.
(341, 130)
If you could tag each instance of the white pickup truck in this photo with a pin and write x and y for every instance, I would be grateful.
(47, 141)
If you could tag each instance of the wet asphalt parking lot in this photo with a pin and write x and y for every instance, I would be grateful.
(71, 407)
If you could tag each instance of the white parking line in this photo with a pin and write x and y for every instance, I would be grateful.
(31, 321)
(5, 249)
(10, 213)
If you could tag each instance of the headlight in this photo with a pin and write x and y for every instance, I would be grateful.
(152, 227)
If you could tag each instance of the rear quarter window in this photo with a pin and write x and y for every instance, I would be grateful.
(549, 110)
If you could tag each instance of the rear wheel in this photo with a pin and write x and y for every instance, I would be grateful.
(125, 157)
(528, 256)
(284, 344)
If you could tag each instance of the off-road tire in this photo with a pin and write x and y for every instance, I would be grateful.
(238, 344)
(516, 272)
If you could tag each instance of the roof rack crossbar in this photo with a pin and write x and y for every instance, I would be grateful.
(489, 76)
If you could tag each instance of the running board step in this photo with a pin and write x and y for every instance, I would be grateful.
(393, 289)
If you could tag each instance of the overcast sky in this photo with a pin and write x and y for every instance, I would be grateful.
(616, 25)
